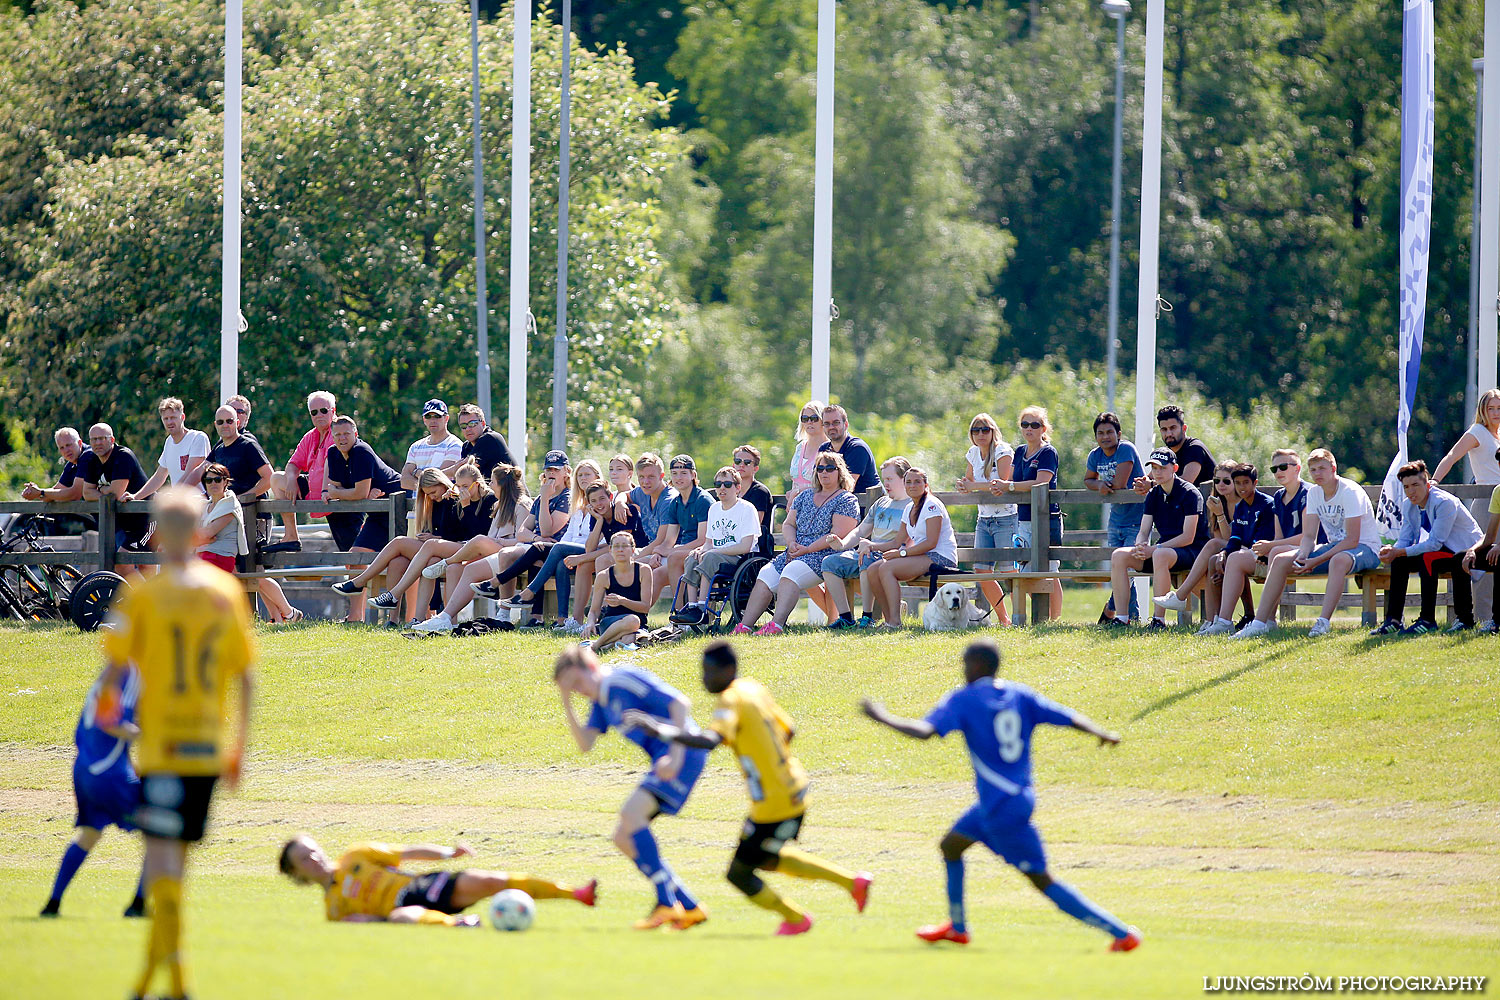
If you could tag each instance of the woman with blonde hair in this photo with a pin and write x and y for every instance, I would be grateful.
(990, 458)
(810, 437)
(1481, 442)
(1035, 464)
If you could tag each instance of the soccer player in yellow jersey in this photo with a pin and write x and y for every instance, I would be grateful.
(749, 722)
(187, 630)
(368, 886)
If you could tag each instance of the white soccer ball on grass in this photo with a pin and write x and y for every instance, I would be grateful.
(512, 910)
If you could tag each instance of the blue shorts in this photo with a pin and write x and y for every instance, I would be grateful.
(672, 795)
(848, 565)
(1365, 559)
(104, 800)
(1008, 832)
(1186, 556)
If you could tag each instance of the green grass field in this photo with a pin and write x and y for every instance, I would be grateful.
(1279, 807)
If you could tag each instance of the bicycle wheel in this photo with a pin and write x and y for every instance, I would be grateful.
(91, 599)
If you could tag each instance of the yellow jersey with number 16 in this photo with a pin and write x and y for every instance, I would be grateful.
(187, 630)
(758, 731)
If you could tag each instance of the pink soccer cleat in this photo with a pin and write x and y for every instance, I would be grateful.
(787, 928)
(861, 891)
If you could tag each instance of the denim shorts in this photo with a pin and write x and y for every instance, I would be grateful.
(1023, 537)
(848, 565)
(1365, 559)
(997, 532)
(1124, 524)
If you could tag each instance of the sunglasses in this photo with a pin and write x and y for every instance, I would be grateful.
(470, 423)
(725, 484)
(213, 479)
(744, 461)
(810, 418)
(239, 411)
(1224, 482)
(1282, 467)
(981, 430)
(828, 468)
(225, 421)
(1032, 426)
(318, 412)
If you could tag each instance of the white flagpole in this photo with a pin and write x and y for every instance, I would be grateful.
(520, 227)
(822, 284)
(229, 306)
(1489, 199)
(1145, 346)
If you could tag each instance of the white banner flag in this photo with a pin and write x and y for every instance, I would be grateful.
(1416, 226)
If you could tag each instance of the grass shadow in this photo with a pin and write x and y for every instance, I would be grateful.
(1289, 647)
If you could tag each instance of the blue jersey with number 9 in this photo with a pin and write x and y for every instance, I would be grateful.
(996, 718)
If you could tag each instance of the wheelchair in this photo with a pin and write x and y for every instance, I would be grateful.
(728, 592)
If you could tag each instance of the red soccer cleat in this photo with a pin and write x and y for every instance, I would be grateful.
(861, 891)
(587, 894)
(1130, 942)
(933, 933)
(787, 928)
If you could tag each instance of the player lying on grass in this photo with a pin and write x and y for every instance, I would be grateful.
(664, 790)
(104, 785)
(997, 718)
(749, 722)
(367, 885)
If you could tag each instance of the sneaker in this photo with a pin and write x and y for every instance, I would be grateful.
(588, 895)
(1170, 603)
(1254, 629)
(1320, 626)
(532, 623)
(692, 614)
(933, 933)
(1419, 627)
(740, 629)
(572, 626)
(865, 621)
(1391, 626)
(770, 628)
(1156, 625)
(688, 918)
(434, 570)
(439, 622)
(659, 916)
(346, 587)
(1486, 627)
(788, 929)
(1114, 623)
(1130, 942)
(628, 647)
(514, 600)
(387, 601)
(861, 891)
(843, 622)
(487, 590)
(1218, 626)
(1458, 626)
(586, 644)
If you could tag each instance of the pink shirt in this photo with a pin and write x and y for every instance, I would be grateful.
(311, 457)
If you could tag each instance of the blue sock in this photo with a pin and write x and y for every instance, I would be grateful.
(648, 860)
(680, 891)
(956, 894)
(1071, 902)
(71, 859)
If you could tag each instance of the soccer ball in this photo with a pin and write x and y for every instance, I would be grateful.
(512, 910)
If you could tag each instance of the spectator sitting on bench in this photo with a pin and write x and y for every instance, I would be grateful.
(181, 454)
(544, 556)
(681, 525)
(1240, 516)
(108, 467)
(653, 496)
(989, 457)
(303, 476)
(925, 544)
(1035, 464)
(222, 537)
(814, 523)
(351, 472)
(616, 515)
(857, 456)
(1114, 466)
(621, 471)
(730, 532)
(620, 606)
(859, 552)
(1481, 442)
(67, 487)
(1437, 531)
(746, 460)
(1485, 557)
(1342, 513)
(512, 530)
(437, 449)
(1287, 506)
(1175, 508)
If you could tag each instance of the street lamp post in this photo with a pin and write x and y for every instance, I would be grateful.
(560, 342)
(481, 305)
(1471, 392)
(1119, 10)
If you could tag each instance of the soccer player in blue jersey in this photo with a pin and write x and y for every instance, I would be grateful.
(613, 691)
(105, 786)
(997, 718)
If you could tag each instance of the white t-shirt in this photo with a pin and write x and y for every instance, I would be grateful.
(1482, 459)
(1348, 504)
(230, 541)
(947, 546)
(426, 455)
(725, 527)
(507, 530)
(579, 526)
(977, 473)
(175, 455)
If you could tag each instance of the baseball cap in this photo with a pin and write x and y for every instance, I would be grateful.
(1162, 456)
(682, 462)
(555, 459)
(435, 406)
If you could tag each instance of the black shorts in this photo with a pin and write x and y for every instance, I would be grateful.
(175, 807)
(433, 891)
(761, 843)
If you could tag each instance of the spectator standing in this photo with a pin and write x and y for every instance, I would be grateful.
(1175, 508)
(859, 552)
(1194, 463)
(1114, 466)
(67, 488)
(989, 458)
(241, 407)
(1035, 464)
(437, 449)
(1485, 557)
(181, 454)
(108, 467)
(925, 543)
(1436, 532)
(303, 476)
(857, 456)
(352, 471)
(747, 463)
(731, 531)
(1481, 442)
(485, 445)
(810, 439)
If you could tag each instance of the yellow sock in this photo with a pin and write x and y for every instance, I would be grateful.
(800, 864)
(164, 943)
(537, 888)
(434, 917)
(768, 899)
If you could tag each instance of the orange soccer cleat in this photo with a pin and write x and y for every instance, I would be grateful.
(658, 917)
(933, 933)
(689, 918)
(1130, 942)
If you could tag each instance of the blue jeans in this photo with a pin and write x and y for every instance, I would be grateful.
(997, 532)
(1124, 525)
(553, 566)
